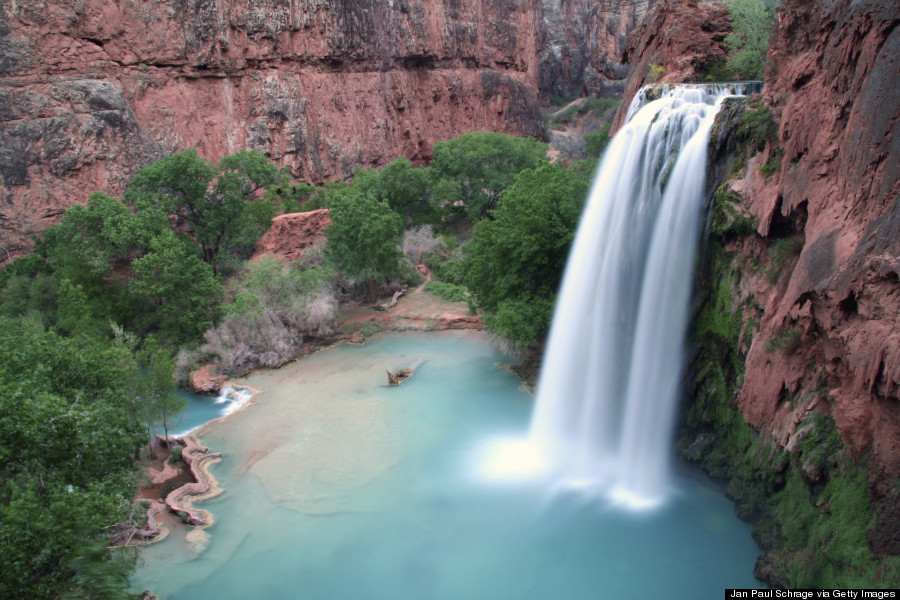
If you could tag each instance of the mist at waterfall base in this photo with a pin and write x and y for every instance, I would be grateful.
(613, 364)
(339, 487)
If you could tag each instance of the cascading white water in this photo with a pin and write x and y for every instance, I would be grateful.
(608, 388)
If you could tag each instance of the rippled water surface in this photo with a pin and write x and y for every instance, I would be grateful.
(339, 487)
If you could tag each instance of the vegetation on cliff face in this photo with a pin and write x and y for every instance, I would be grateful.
(752, 21)
(808, 501)
(808, 497)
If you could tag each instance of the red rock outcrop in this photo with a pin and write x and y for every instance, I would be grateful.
(291, 234)
(205, 380)
(152, 529)
(681, 39)
(179, 500)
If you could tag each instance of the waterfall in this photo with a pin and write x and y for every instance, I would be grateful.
(609, 384)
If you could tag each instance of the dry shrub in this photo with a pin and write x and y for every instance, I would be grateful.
(419, 242)
(185, 363)
(274, 308)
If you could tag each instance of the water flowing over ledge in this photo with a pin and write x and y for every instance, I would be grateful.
(608, 388)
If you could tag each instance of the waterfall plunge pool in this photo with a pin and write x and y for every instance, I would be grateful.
(339, 487)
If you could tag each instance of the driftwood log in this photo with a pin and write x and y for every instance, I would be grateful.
(393, 301)
(399, 377)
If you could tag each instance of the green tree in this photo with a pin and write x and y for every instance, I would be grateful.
(218, 203)
(482, 165)
(515, 261)
(156, 385)
(363, 241)
(181, 291)
(74, 315)
(405, 188)
(83, 253)
(67, 448)
(32, 296)
(752, 21)
(105, 233)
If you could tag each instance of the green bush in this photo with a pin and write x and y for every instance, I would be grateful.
(448, 291)
(596, 142)
(758, 125)
(175, 454)
(728, 219)
(823, 445)
(450, 270)
(599, 105)
(370, 327)
(717, 71)
(654, 72)
(774, 162)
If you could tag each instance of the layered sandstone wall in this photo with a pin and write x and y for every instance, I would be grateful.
(93, 90)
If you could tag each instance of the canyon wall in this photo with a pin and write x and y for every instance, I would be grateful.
(583, 43)
(815, 280)
(832, 79)
(93, 90)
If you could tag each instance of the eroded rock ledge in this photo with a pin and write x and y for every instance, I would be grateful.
(180, 501)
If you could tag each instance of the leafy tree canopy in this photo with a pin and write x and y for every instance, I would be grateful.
(217, 202)
(752, 21)
(405, 188)
(515, 261)
(482, 165)
(181, 290)
(363, 240)
(67, 447)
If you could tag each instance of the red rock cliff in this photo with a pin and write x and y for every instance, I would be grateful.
(832, 83)
(681, 39)
(91, 91)
(833, 77)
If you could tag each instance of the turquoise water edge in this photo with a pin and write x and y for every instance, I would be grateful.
(340, 487)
